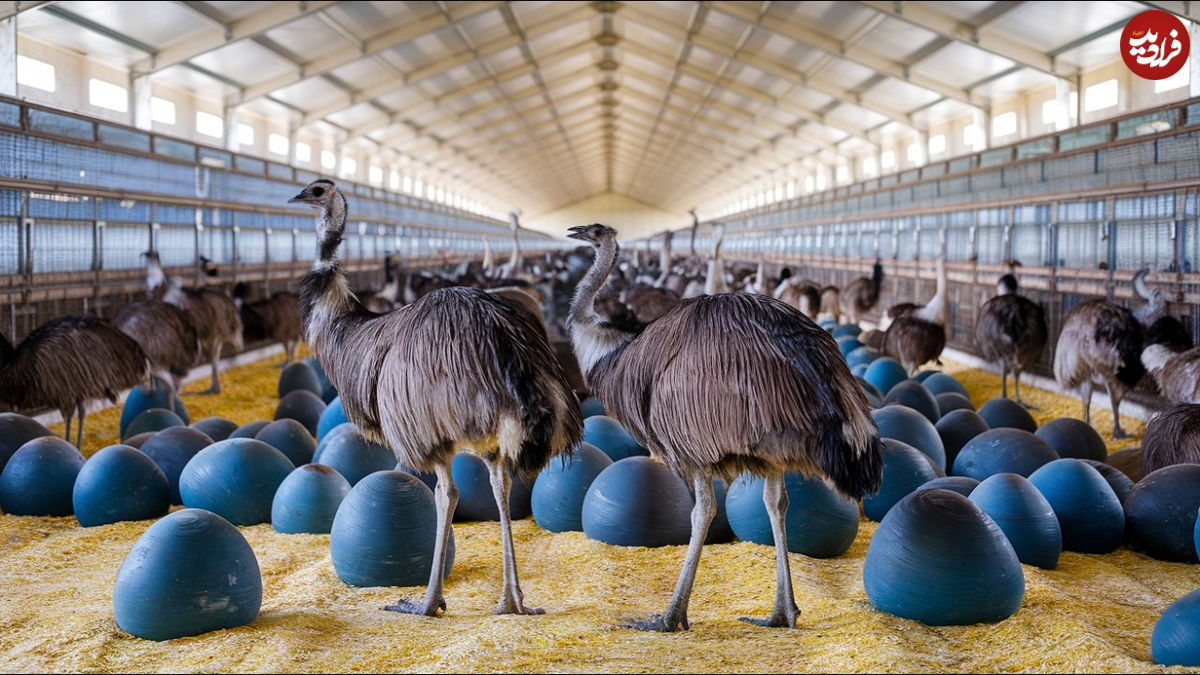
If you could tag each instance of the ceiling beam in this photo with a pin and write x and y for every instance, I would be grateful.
(11, 9)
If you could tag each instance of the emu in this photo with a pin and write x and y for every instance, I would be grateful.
(724, 384)
(1011, 329)
(458, 368)
(862, 294)
(1171, 359)
(165, 334)
(918, 334)
(66, 362)
(1172, 437)
(276, 318)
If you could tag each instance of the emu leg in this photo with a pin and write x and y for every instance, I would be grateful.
(1087, 401)
(1017, 386)
(1004, 379)
(79, 432)
(445, 498)
(214, 358)
(702, 514)
(511, 599)
(1115, 392)
(784, 616)
(67, 414)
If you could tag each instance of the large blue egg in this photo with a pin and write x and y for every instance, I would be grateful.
(332, 416)
(328, 393)
(171, 449)
(17, 430)
(559, 489)
(119, 483)
(297, 376)
(960, 484)
(905, 424)
(819, 522)
(1088, 510)
(291, 438)
(847, 329)
(354, 456)
(938, 559)
(925, 374)
(303, 406)
(863, 356)
(1160, 513)
(957, 427)
(190, 573)
(1117, 480)
(1073, 438)
(216, 428)
(236, 479)
(385, 531)
(591, 406)
(1002, 450)
(940, 383)
(428, 478)
(950, 401)
(1005, 412)
(154, 419)
(885, 373)
(613, 439)
(249, 429)
(904, 470)
(913, 394)
(1026, 518)
(1175, 640)
(848, 344)
(476, 501)
(344, 427)
(39, 477)
(637, 501)
(308, 499)
(871, 390)
(141, 398)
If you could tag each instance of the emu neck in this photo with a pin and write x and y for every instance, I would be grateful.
(155, 277)
(938, 308)
(325, 295)
(591, 337)
(715, 281)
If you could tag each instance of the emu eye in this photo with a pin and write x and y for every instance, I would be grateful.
(318, 191)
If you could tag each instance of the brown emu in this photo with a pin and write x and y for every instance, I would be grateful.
(1172, 360)
(1172, 437)
(213, 314)
(917, 335)
(66, 362)
(1011, 329)
(165, 334)
(460, 368)
(862, 294)
(276, 318)
(725, 384)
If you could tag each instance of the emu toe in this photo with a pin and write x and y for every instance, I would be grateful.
(512, 607)
(410, 607)
(779, 619)
(660, 623)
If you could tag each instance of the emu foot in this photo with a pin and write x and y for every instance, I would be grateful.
(660, 623)
(511, 606)
(410, 607)
(779, 619)
(1120, 433)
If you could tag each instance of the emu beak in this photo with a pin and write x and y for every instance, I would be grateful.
(577, 232)
(299, 199)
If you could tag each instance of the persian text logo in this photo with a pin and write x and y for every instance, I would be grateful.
(1155, 44)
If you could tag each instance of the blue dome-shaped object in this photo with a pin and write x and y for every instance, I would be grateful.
(328, 393)
(870, 389)
(142, 398)
(905, 424)
(1175, 640)
(171, 449)
(291, 438)
(938, 559)
(297, 376)
(303, 406)
(119, 483)
(863, 356)
(308, 499)
(355, 457)
(216, 428)
(558, 491)
(1088, 510)
(1007, 413)
(1000, 450)
(249, 429)
(960, 484)
(154, 419)
(190, 573)
(848, 344)
(904, 470)
(952, 400)
(1160, 513)
(827, 324)
(913, 394)
(1117, 480)
(591, 406)
(429, 479)
(860, 370)
(957, 427)
(385, 531)
(333, 416)
(885, 373)
(923, 375)
(475, 498)
(613, 439)
(236, 479)
(1026, 518)
(343, 428)
(819, 522)
(39, 477)
(940, 383)
(847, 329)
(1073, 438)
(17, 430)
(637, 501)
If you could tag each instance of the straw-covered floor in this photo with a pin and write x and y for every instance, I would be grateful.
(1094, 613)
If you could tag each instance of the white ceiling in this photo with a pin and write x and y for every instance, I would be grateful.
(549, 104)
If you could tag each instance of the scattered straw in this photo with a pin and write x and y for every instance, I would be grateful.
(1094, 613)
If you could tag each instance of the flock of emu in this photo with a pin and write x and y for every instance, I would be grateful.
(717, 371)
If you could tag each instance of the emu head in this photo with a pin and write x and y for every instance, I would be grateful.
(593, 234)
(323, 195)
(1006, 285)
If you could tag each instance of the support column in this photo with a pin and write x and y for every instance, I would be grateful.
(1066, 114)
(922, 147)
(8, 56)
(981, 119)
(231, 123)
(291, 154)
(139, 101)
